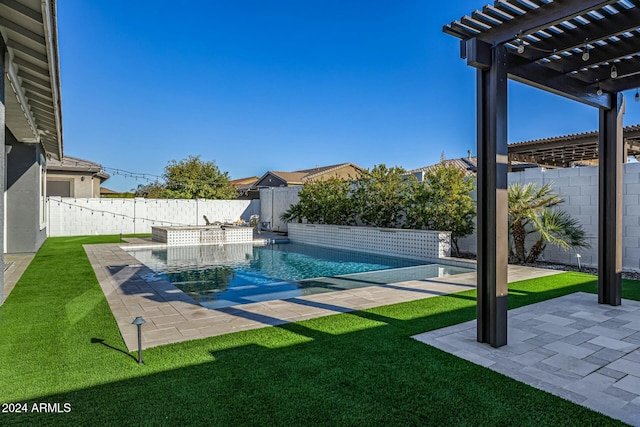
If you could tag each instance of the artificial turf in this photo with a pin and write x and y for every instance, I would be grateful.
(60, 344)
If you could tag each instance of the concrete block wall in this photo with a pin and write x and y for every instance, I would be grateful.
(579, 187)
(78, 217)
(274, 202)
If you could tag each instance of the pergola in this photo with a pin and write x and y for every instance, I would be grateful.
(585, 50)
(569, 150)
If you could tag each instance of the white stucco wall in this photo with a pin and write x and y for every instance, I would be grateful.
(78, 217)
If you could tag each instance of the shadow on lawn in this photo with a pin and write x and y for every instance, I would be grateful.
(101, 341)
(333, 378)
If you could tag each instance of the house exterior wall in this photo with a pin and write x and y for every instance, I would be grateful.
(26, 221)
(93, 216)
(82, 184)
(95, 184)
(270, 180)
(3, 219)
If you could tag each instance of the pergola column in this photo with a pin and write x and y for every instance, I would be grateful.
(611, 153)
(492, 192)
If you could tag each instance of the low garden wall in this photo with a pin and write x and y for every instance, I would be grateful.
(415, 244)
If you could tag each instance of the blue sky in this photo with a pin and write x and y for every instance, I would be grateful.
(279, 85)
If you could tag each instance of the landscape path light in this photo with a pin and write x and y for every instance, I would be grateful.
(139, 321)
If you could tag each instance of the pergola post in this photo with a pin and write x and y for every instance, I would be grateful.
(492, 223)
(611, 152)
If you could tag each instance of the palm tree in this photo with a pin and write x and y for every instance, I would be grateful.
(532, 210)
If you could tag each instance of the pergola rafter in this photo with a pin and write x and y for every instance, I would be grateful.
(543, 43)
(555, 35)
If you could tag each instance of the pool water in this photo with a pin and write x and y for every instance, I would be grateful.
(224, 276)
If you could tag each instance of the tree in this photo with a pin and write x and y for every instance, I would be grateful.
(193, 178)
(323, 202)
(443, 202)
(533, 210)
(380, 195)
(154, 190)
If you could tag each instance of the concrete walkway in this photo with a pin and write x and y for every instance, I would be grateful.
(15, 265)
(569, 346)
(172, 316)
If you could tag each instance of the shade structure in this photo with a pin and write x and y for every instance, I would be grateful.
(584, 50)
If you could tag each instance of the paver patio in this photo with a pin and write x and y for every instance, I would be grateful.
(569, 346)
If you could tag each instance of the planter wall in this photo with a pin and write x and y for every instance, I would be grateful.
(415, 244)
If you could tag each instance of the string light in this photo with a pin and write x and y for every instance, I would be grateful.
(520, 44)
(155, 179)
(614, 72)
(585, 52)
(599, 90)
(123, 216)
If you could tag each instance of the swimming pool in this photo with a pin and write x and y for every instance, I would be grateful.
(224, 276)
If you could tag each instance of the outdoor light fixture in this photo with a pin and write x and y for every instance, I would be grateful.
(614, 72)
(599, 90)
(578, 256)
(520, 44)
(139, 321)
(585, 52)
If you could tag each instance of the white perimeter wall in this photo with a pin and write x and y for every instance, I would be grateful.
(79, 217)
(579, 187)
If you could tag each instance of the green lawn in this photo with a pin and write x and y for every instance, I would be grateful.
(59, 344)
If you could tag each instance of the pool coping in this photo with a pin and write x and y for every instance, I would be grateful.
(132, 290)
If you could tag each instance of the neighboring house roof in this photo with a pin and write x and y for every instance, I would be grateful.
(74, 164)
(291, 178)
(299, 177)
(322, 170)
(105, 191)
(244, 182)
(470, 165)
